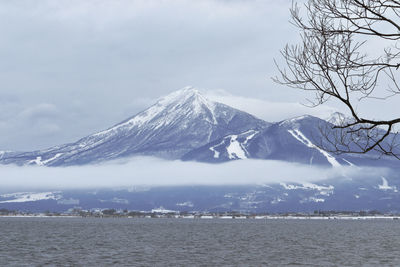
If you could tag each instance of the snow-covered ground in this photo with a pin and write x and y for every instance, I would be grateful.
(29, 197)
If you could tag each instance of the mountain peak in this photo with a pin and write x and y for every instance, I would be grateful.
(186, 100)
(338, 118)
(295, 120)
(182, 95)
(183, 102)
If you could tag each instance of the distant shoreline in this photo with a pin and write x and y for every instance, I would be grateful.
(266, 217)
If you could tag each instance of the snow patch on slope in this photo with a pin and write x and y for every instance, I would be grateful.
(249, 137)
(385, 185)
(312, 199)
(348, 162)
(29, 197)
(216, 153)
(51, 159)
(38, 161)
(235, 149)
(323, 190)
(301, 137)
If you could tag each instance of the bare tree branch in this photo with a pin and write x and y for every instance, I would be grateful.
(331, 62)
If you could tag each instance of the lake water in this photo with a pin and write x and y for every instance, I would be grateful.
(197, 242)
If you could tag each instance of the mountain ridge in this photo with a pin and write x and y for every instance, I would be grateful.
(174, 125)
(186, 125)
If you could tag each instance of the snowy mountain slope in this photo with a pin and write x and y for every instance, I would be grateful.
(227, 148)
(301, 138)
(281, 141)
(295, 140)
(175, 125)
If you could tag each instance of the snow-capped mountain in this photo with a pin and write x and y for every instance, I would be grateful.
(186, 125)
(172, 127)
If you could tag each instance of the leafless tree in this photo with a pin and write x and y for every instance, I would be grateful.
(332, 62)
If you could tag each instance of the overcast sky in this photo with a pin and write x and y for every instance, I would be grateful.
(71, 68)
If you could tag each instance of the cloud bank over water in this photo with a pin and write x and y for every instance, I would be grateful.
(146, 171)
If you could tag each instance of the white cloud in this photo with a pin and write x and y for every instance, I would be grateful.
(19, 124)
(38, 111)
(151, 171)
(268, 110)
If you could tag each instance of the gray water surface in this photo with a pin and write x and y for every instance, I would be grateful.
(197, 242)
